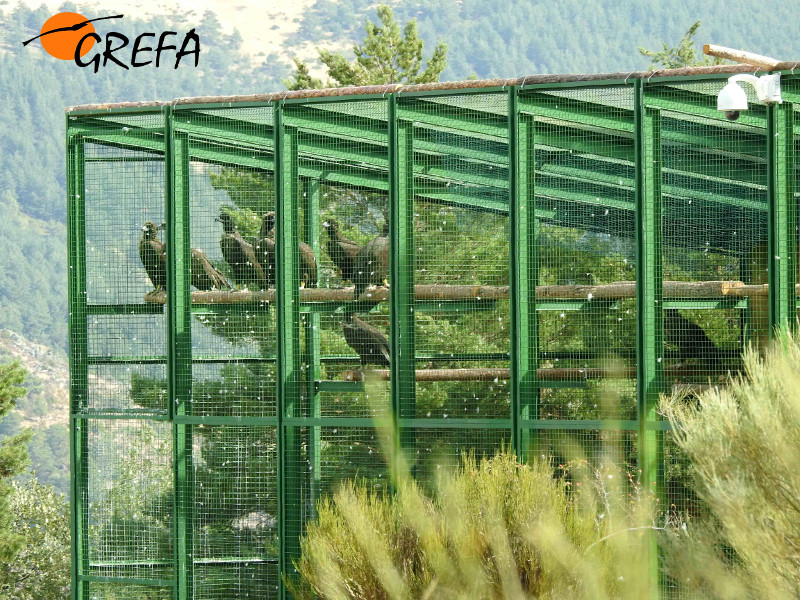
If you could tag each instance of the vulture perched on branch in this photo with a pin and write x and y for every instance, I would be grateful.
(206, 276)
(153, 254)
(690, 340)
(372, 263)
(265, 247)
(342, 251)
(239, 254)
(308, 266)
(369, 342)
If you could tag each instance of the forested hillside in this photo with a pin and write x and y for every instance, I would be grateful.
(521, 37)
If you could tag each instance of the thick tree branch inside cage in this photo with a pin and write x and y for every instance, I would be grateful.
(610, 291)
(488, 374)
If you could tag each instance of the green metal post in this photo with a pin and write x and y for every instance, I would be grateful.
(289, 374)
(78, 363)
(649, 298)
(312, 358)
(179, 354)
(524, 274)
(782, 245)
(401, 272)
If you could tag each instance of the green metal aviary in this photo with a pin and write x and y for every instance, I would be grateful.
(539, 260)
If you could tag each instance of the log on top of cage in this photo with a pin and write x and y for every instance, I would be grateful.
(749, 58)
(609, 291)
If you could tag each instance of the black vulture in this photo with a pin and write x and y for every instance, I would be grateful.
(689, 339)
(239, 254)
(369, 342)
(342, 251)
(153, 254)
(265, 247)
(308, 266)
(206, 276)
(372, 263)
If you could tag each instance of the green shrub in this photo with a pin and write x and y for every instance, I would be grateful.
(744, 445)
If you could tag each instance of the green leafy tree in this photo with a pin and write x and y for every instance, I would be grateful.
(13, 459)
(41, 569)
(387, 56)
(683, 55)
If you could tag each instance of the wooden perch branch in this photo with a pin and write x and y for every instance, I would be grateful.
(483, 374)
(433, 292)
(749, 58)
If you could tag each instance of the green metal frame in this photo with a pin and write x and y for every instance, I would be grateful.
(782, 245)
(401, 272)
(179, 344)
(649, 294)
(287, 192)
(428, 148)
(312, 356)
(78, 365)
(524, 274)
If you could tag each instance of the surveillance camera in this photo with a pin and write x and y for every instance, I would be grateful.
(732, 99)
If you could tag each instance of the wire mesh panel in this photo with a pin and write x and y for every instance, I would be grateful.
(124, 208)
(233, 342)
(255, 289)
(461, 247)
(122, 451)
(715, 228)
(129, 499)
(235, 511)
(230, 500)
(579, 154)
(352, 454)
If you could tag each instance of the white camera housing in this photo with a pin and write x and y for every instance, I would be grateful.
(732, 100)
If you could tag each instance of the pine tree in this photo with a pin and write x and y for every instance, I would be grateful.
(387, 56)
(682, 55)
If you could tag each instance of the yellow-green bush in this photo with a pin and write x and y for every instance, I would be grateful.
(744, 446)
(494, 529)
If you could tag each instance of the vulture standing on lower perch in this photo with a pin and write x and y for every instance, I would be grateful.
(239, 254)
(265, 247)
(690, 340)
(153, 254)
(342, 251)
(370, 343)
(206, 276)
(372, 263)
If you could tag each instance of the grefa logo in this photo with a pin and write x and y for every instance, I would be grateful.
(71, 36)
